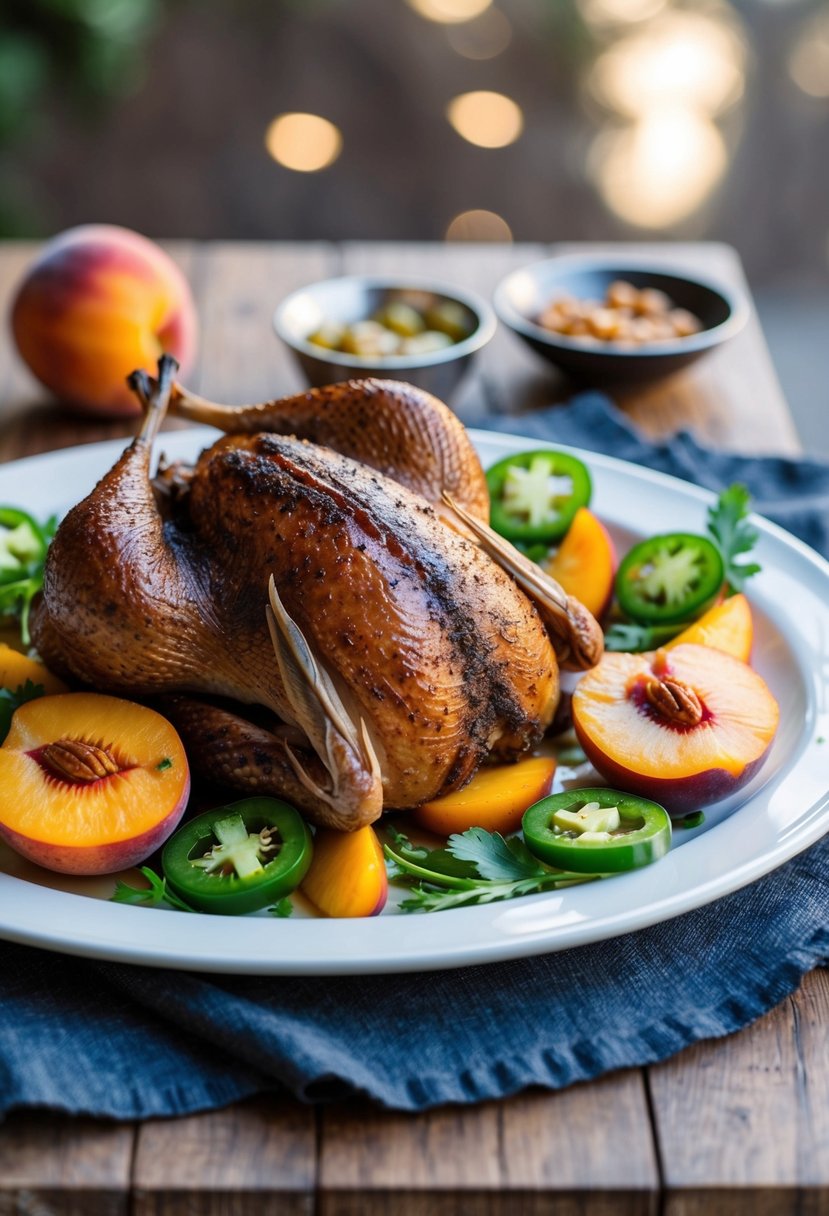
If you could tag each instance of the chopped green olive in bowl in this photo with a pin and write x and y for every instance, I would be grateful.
(417, 330)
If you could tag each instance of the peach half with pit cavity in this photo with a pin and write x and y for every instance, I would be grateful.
(684, 727)
(90, 784)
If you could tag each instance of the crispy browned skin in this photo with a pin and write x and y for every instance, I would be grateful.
(428, 642)
(395, 428)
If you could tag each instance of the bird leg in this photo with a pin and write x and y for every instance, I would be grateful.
(354, 788)
(154, 396)
(115, 604)
(575, 633)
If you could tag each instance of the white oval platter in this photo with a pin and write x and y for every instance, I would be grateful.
(783, 810)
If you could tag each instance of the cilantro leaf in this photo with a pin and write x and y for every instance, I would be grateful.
(10, 700)
(404, 846)
(632, 639)
(476, 867)
(733, 535)
(282, 909)
(433, 899)
(495, 858)
(404, 867)
(149, 897)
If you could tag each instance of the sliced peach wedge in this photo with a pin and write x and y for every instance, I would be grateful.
(90, 784)
(585, 562)
(684, 727)
(496, 798)
(727, 626)
(348, 874)
(16, 669)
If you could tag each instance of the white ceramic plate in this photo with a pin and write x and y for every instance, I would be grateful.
(785, 808)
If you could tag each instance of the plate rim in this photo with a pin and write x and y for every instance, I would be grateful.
(132, 945)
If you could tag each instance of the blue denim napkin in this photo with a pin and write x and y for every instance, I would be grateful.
(127, 1041)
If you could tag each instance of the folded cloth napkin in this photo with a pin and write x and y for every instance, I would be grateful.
(126, 1041)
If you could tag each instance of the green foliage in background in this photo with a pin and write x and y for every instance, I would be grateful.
(55, 53)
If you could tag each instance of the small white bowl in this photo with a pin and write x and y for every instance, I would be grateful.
(352, 298)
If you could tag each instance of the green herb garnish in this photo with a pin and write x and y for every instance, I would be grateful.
(23, 546)
(283, 909)
(733, 535)
(149, 897)
(164, 765)
(12, 700)
(632, 639)
(476, 867)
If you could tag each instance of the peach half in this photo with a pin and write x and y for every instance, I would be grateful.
(496, 798)
(98, 302)
(90, 784)
(684, 727)
(585, 562)
(348, 873)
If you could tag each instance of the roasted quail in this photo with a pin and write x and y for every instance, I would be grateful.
(314, 626)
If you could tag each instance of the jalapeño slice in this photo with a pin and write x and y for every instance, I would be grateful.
(669, 578)
(239, 857)
(597, 831)
(534, 495)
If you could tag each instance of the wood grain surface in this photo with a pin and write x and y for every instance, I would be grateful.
(735, 1126)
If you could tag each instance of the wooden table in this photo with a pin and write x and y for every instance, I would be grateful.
(739, 1125)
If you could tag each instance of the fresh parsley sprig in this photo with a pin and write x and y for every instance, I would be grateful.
(149, 897)
(734, 536)
(476, 867)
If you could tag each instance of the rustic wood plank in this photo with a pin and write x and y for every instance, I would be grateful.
(534, 1154)
(743, 1122)
(730, 398)
(240, 286)
(51, 1165)
(257, 1158)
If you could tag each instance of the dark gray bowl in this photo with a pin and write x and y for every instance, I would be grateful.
(522, 295)
(355, 297)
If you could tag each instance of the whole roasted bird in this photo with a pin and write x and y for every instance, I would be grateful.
(319, 601)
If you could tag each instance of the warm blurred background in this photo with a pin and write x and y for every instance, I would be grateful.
(538, 120)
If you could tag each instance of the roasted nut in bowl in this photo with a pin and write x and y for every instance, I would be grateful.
(603, 320)
(404, 328)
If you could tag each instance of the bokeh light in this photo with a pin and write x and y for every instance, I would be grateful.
(656, 172)
(667, 81)
(488, 120)
(449, 12)
(809, 57)
(479, 225)
(619, 12)
(304, 142)
(484, 38)
(679, 59)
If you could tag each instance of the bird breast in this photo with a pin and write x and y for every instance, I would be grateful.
(427, 640)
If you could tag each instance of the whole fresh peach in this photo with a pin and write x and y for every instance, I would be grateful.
(97, 303)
